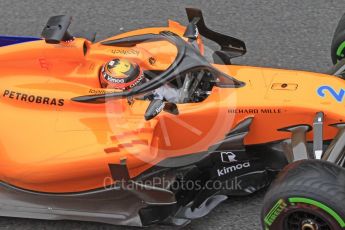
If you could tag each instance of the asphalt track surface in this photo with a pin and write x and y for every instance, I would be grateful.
(291, 34)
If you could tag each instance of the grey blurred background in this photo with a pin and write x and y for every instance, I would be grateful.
(290, 34)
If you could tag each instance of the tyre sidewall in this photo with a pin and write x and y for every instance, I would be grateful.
(282, 207)
(337, 42)
(338, 38)
(320, 182)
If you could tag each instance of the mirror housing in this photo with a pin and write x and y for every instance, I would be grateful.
(155, 107)
(56, 29)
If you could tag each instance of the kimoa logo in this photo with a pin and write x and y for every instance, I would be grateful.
(233, 168)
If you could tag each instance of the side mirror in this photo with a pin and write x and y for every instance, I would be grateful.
(156, 106)
(56, 29)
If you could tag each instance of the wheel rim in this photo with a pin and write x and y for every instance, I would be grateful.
(303, 220)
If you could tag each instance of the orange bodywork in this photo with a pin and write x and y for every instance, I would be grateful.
(49, 143)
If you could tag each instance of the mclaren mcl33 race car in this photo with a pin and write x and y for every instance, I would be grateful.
(142, 129)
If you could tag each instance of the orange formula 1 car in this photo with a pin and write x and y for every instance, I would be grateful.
(140, 129)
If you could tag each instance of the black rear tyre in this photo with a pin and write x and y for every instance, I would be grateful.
(338, 42)
(307, 195)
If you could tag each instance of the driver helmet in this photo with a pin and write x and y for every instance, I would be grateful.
(121, 74)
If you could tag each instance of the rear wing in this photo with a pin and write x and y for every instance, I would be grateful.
(230, 47)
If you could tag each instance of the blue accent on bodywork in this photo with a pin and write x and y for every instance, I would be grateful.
(339, 96)
(11, 40)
